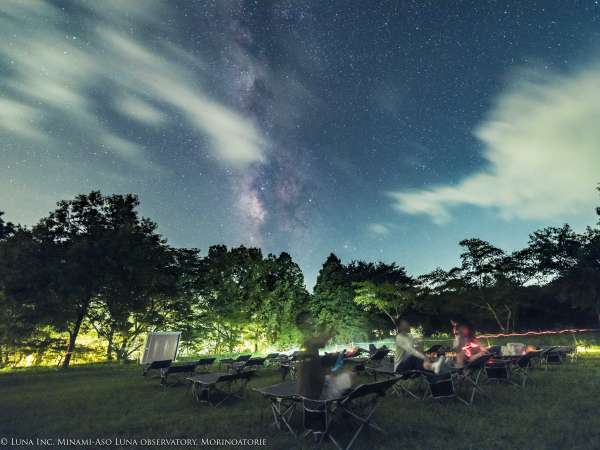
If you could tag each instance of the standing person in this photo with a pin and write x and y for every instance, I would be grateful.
(407, 356)
(311, 370)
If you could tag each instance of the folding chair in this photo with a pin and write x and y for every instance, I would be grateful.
(230, 362)
(272, 359)
(283, 400)
(205, 385)
(289, 364)
(188, 368)
(156, 365)
(522, 364)
(373, 361)
(564, 352)
(549, 356)
(316, 419)
(471, 376)
(206, 363)
(400, 388)
(362, 402)
(447, 385)
(251, 364)
(440, 386)
(500, 371)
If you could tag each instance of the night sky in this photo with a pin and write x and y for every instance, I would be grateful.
(376, 130)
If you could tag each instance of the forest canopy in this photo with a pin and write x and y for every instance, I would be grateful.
(94, 273)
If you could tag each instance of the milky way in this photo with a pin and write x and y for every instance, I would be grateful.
(376, 130)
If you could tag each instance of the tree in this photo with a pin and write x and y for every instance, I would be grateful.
(332, 303)
(140, 277)
(283, 295)
(20, 319)
(91, 254)
(386, 298)
(481, 270)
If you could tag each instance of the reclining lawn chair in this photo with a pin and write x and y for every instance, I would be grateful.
(316, 419)
(186, 368)
(251, 364)
(522, 365)
(499, 371)
(272, 359)
(565, 352)
(206, 385)
(550, 356)
(358, 404)
(361, 403)
(401, 388)
(447, 385)
(230, 362)
(156, 365)
(375, 360)
(283, 399)
(206, 363)
(289, 364)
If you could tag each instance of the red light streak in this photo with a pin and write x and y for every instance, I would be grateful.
(468, 349)
(542, 333)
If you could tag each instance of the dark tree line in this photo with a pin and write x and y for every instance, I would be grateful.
(94, 266)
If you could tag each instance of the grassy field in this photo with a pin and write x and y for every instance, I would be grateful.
(557, 410)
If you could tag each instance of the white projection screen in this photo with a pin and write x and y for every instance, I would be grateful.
(161, 346)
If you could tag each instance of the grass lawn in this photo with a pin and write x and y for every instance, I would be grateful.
(557, 410)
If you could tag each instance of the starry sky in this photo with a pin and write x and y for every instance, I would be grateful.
(375, 130)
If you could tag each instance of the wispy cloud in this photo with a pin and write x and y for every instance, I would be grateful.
(378, 230)
(55, 69)
(541, 146)
(139, 110)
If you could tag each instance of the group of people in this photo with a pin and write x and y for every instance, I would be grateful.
(407, 357)
(327, 377)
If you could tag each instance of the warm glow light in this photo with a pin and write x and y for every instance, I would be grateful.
(468, 349)
(542, 333)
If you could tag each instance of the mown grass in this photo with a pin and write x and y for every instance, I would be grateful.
(557, 410)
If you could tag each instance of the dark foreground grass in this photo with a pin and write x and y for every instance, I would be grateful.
(557, 410)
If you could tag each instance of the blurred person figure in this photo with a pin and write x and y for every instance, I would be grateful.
(408, 357)
(466, 345)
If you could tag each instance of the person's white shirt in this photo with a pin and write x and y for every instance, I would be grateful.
(405, 346)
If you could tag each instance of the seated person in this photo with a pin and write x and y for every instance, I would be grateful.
(408, 357)
(337, 383)
(467, 346)
(352, 352)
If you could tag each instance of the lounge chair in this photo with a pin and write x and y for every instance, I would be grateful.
(185, 368)
(206, 363)
(156, 365)
(230, 362)
(376, 359)
(504, 369)
(447, 385)
(404, 379)
(283, 398)
(272, 359)
(206, 385)
(358, 405)
(251, 364)
(289, 364)
(550, 356)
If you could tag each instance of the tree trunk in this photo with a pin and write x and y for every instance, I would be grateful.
(496, 318)
(73, 337)
(109, 346)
